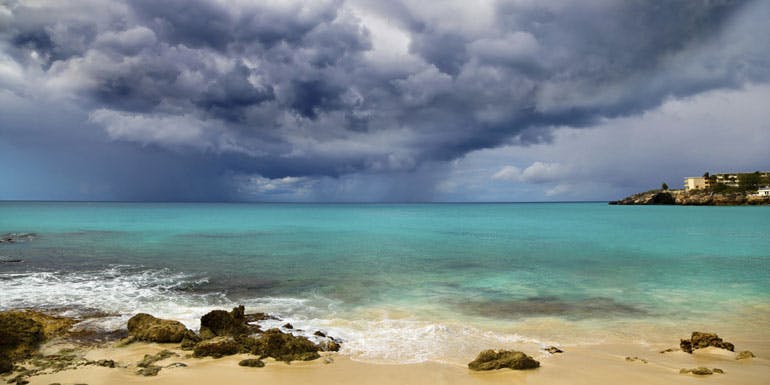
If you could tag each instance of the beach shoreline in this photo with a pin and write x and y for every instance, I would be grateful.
(598, 364)
(659, 361)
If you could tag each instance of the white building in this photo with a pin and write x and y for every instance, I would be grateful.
(764, 191)
(695, 183)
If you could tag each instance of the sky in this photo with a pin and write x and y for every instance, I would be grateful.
(378, 101)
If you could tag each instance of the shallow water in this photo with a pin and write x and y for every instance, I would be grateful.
(401, 283)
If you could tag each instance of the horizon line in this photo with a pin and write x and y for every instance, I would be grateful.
(291, 202)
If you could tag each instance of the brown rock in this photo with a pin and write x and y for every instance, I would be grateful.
(22, 332)
(744, 355)
(217, 347)
(699, 371)
(553, 350)
(145, 327)
(491, 360)
(150, 359)
(222, 323)
(252, 363)
(700, 340)
(285, 347)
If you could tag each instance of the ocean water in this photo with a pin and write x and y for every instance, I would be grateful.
(402, 282)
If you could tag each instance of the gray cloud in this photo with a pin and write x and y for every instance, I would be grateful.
(319, 90)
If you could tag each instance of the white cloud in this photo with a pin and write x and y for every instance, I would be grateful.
(537, 172)
(143, 128)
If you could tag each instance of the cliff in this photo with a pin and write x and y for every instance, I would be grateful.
(692, 198)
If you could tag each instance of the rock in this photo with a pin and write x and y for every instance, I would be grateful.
(176, 365)
(151, 370)
(634, 359)
(188, 344)
(221, 323)
(252, 363)
(319, 333)
(328, 360)
(256, 317)
(6, 365)
(125, 341)
(744, 355)
(288, 326)
(717, 370)
(329, 345)
(145, 327)
(285, 347)
(700, 340)
(490, 360)
(217, 347)
(106, 363)
(22, 332)
(553, 350)
(150, 359)
(700, 371)
(669, 350)
(662, 198)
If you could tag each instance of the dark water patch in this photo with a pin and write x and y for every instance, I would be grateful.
(463, 265)
(594, 307)
(234, 235)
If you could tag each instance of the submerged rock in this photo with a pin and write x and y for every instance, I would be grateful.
(145, 327)
(252, 363)
(17, 237)
(700, 340)
(744, 355)
(491, 360)
(285, 347)
(217, 347)
(222, 323)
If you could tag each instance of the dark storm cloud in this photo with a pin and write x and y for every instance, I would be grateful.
(293, 89)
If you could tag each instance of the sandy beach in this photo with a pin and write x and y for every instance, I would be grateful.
(596, 364)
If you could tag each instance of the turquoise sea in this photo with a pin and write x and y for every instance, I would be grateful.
(402, 282)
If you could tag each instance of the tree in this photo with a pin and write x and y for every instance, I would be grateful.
(748, 182)
(706, 175)
(664, 186)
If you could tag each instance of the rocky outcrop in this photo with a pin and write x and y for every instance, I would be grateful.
(692, 198)
(222, 323)
(22, 332)
(145, 327)
(744, 355)
(491, 360)
(284, 347)
(700, 340)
